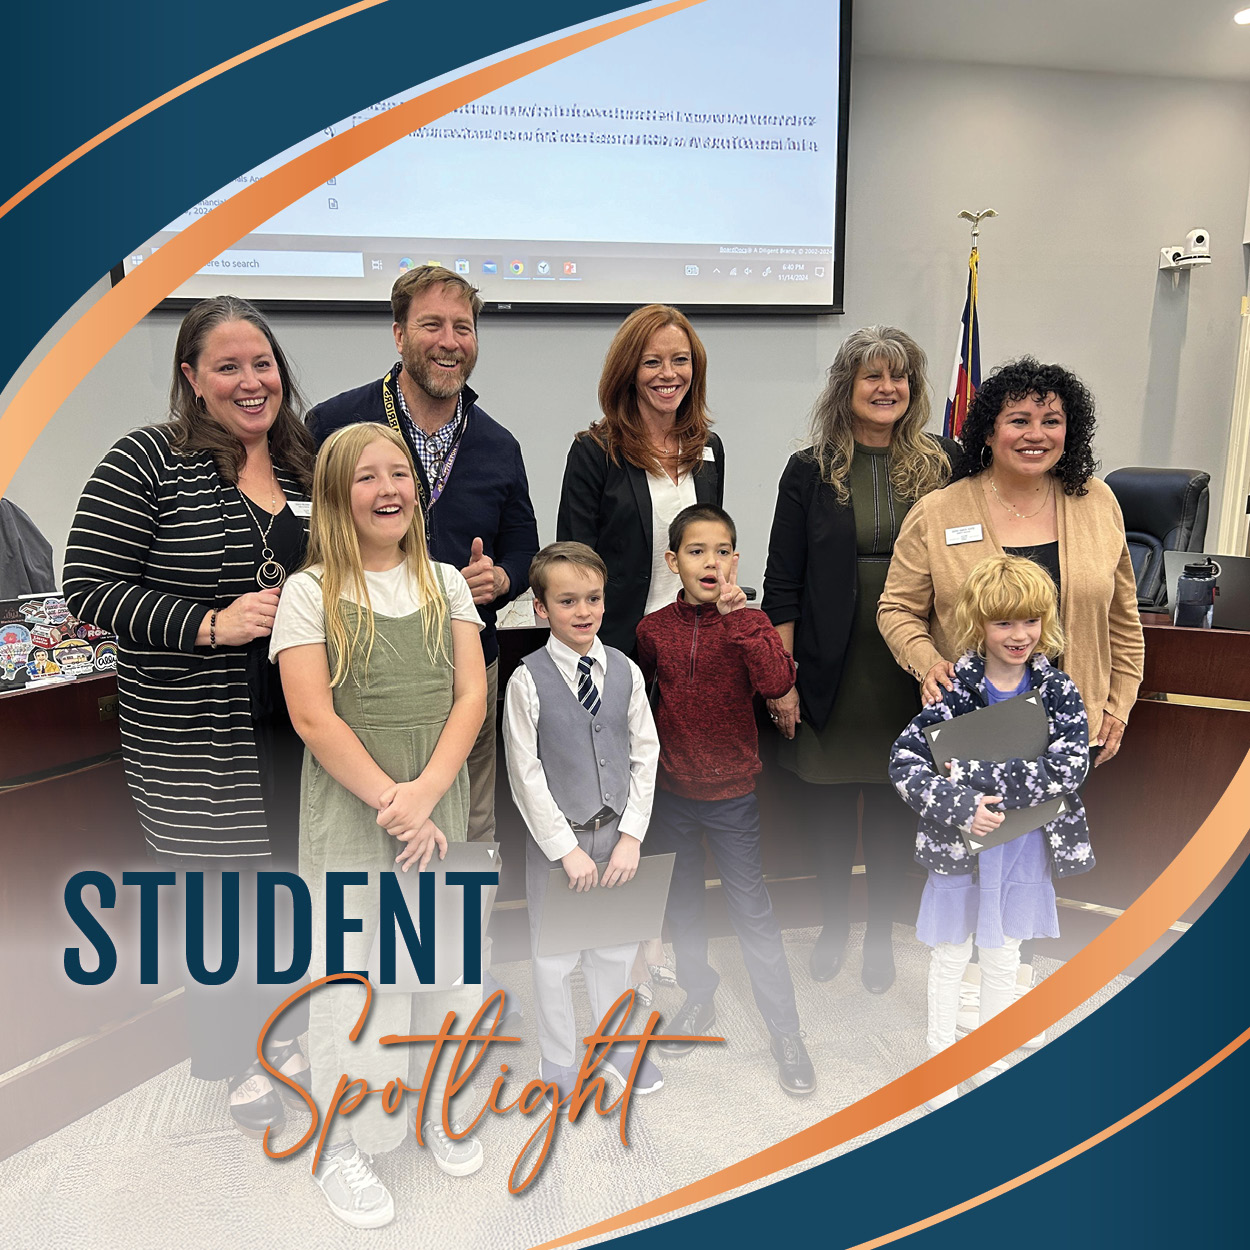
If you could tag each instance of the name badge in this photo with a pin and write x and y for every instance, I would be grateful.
(963, 534)
(300, 507)
(707, 452)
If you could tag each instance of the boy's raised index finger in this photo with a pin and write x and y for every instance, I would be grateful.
(733, 570)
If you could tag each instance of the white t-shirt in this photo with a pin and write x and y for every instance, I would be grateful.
(301, 612)
(668, 498)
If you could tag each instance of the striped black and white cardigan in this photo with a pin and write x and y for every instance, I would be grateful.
(158, 541)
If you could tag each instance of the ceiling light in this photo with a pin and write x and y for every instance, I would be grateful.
(1242, 18)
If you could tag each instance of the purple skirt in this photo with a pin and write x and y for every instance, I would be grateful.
(1013, 898)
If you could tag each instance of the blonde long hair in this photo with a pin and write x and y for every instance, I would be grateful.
(1007, 588)
(333, 544)
(918, 464)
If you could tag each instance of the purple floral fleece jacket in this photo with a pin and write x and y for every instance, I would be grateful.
(946, 805)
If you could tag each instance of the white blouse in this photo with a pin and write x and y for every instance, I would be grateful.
(668, 498)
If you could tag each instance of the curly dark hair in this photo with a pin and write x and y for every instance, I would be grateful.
(1015, 380)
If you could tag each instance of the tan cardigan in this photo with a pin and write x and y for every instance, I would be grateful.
(1097, 598)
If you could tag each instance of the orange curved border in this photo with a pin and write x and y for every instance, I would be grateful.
(67, 363)
(1042, 1168)
(104, 323)
(1129, 936)
(117, 127)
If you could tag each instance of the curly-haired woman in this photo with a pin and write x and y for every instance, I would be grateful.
(1026, 487)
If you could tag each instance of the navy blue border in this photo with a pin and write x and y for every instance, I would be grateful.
(1173, 1178)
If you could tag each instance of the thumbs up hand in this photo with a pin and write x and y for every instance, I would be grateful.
(486, 580)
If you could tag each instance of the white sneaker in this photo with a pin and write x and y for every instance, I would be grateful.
(944, 1099)
(969, 1000)
(1024, 983)
(997, 1068)
(352, 1188)
(457, 1156)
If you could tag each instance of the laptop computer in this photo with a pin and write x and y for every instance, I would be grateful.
(1221, 592)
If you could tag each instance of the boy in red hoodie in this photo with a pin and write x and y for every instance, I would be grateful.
(710, 654)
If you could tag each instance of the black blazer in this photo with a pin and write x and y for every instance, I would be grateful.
(607, 506)
(811, 578)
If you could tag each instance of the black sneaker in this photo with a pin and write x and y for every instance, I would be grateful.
(253, 1102)
(794, 1067)
(692, 1018)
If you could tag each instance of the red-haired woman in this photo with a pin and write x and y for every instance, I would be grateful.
(651, 455)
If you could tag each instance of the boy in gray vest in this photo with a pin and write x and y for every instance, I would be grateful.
(582, 753)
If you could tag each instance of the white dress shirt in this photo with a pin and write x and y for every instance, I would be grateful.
(668, 498)
(548, 825)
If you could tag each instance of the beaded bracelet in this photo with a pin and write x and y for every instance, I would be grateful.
(212, 630)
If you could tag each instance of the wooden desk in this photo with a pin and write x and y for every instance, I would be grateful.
(1176, 760)
(66, 1049)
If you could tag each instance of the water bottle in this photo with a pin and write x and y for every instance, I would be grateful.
(1196, 589)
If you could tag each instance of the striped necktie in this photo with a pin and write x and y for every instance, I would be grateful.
(587, 692)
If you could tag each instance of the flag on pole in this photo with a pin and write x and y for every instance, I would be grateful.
(966, 375)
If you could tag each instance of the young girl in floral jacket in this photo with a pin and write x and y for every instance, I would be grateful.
(1007, 617)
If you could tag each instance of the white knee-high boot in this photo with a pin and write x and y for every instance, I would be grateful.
(946, 970)
(999, 966)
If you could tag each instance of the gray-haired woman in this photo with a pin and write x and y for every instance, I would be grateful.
(840, 504)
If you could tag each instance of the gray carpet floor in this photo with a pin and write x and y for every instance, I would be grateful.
(162, 1167)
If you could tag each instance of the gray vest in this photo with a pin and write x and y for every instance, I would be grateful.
(586, 758)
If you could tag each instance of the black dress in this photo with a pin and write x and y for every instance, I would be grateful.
(223, 1022)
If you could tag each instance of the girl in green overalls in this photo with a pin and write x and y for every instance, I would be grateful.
(383, 673)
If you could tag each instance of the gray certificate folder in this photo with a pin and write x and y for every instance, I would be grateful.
(448, 922)
(1015, 729)
(587, 920)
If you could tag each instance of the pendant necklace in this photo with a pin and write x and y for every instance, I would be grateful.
(270, 575)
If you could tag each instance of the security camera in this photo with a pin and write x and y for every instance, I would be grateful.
(1198, 246)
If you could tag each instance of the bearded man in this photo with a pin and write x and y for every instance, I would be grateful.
(471, 478)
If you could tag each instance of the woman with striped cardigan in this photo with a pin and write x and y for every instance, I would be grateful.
(181, 542)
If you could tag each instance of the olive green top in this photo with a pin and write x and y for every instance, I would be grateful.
(397, 705)
(875, 697)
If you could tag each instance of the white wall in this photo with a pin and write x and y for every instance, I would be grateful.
(1091, 174)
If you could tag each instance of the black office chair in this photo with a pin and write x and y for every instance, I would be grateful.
(1164, 510)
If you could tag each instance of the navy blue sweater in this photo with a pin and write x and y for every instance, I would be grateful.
(487, 495)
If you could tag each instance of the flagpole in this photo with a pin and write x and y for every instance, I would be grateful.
(965, 376)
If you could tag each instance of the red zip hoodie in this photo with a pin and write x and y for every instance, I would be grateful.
(709, 664)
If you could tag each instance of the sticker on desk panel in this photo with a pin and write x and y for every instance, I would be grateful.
(46, 611)
(74, 656)
(41, 665)
(105, 656)
(14, 650)
(86, 631)
(46, 635)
